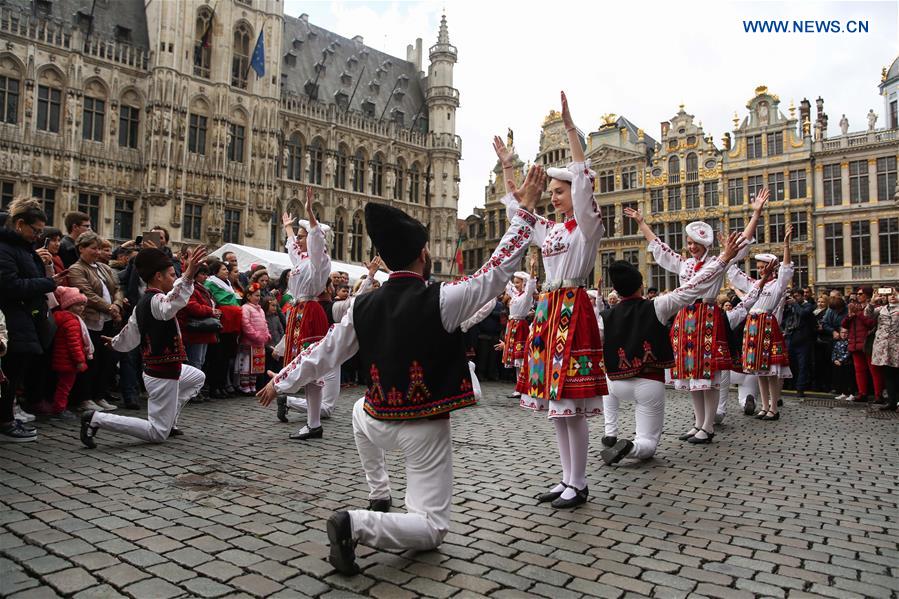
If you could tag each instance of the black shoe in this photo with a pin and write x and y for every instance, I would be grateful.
(749, 406)
(697, 441)
(550, 495)
(88, 431)
(282, 408)
(609, 441)
(617, 452)
(771, 416)
(780, 402)
(380, 505)
(688, 435)
(340, 535)
(175, 432)
(890, 407)
(308, 433)
(579, 498)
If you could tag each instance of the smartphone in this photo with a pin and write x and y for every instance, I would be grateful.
(46, 243)
(153, 236)
(138, 240)
(885, 291)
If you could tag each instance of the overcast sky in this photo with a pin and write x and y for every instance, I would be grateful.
(637, 59)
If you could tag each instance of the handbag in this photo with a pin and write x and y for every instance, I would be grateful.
(210, 324)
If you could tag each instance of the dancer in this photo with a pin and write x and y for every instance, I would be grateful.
(764, 350)
(307, 321)
(408, 338)
(747, 384)
(637, 350)
(153, 326)
(562, 373)
(699, 333)
(516, 337)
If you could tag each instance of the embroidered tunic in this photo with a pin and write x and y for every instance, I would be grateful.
(457, 301)
(311, 268)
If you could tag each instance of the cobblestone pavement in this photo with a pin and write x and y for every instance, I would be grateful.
(806, 506)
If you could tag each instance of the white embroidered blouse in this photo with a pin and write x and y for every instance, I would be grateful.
(773, 295)
(687, 268)
(310, 268)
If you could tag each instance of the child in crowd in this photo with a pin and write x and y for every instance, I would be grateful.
(253, 339)
(275, 321)
(840, 357)
(72, 348)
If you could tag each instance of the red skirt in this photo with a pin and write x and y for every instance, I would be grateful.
(563, 355)
(306, 324)
(699, 341)
(232, 317)
(515, 341)
(763, 344)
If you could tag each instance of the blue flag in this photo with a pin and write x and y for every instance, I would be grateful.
(258, 60)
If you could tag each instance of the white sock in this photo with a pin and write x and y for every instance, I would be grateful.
(698, 408)
(578, 444)
(564, 453)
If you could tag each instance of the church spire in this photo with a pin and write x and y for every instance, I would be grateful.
(443, 36)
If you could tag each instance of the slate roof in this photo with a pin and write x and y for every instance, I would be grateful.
(108, 16)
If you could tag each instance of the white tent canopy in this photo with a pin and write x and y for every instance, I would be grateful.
(277, 262)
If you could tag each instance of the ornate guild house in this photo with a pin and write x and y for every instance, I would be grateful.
(211, 117)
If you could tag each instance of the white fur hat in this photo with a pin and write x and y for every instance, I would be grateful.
(563, 174)
(766, 257)
(521, 275)
(325, 229)
(701, 233)
(593, 294)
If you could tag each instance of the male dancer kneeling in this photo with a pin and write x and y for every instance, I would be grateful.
(637, 349)
(408, 338)
(153, 326)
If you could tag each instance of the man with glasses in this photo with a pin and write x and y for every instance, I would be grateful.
(76, 224)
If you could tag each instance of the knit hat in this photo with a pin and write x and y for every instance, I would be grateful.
(701, 233)
(626, 278)
(398, 237)
(69, 296)
(150, 261)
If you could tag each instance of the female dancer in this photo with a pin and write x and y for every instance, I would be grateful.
(699, 334)
(764, 350)
(562, 373)
(306, 320)
(521, 299)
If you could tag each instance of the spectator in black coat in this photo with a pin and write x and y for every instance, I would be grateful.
(76, 224)
(799, 326)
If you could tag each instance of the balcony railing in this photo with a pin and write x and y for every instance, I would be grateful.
(692, 176)
(673, 177)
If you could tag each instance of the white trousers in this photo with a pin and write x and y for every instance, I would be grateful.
(747, 384)
(329, 392)
(166, 398)
(427, 448)
(649, 412)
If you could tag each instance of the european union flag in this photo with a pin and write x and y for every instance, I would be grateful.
(258, 60)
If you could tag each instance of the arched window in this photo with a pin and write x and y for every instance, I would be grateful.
(129, 120)
(356, 238)
(240, 63)
(629, 178)
(197, 123)
(674, 169)
(400, 187)
(377, 176)
(339, 250)
(340, 174)
(49, 99)
(93, 118)
(10, 86)
(316, 155)
(414, 184)
(359, 173)
(692, 167)
(203, 43)
(295, 157)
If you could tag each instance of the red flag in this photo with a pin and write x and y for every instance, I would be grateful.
(460, 262)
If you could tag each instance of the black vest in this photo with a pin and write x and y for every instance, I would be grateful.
(415, 369)
(160, 341)
(634, 340)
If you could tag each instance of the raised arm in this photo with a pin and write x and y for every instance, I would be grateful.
(165, 307)
(637, 216)
(757, 206)
(460, 299)
(785, 272)
(577, 152)
(505, 159)
(741, 310)
(586, 212)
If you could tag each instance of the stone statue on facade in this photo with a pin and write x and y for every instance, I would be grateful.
(872, 119)
(844, 125)
(763, 113)
(818, 130)
(390, 179)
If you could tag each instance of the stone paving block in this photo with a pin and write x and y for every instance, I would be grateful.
(154, 588)
(45, 592)
(190, 557)
(47, 564)
(95, 560)
(206, 587)
(312, 587)
(171, 572)
(256, 585)
(70, 581)
(103, 591)
(219, 570)
(121, 575)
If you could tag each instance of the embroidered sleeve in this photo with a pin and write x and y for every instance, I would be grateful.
(164, 307)
(667, 305)
(293, 250)
(320, 358)
(459, 299)
(542, 226)
(318, 259)
(739, 280)
(741, 310)
(586, 212)
(129, 337)
(784, 279)
(665, 256)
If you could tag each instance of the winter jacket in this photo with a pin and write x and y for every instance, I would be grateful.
(254, 327)
(833, 320)
(90, 281)
(221, 296)
(840, 351)
(58, 267)
(886, 341)
(799, 323)
(199, 306)
(275, 327)
(23, 285)
(859, 325)
(67, 251)
(68, 344)
(132, 287)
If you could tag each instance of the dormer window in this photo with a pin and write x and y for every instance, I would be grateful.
(122, 34)
(43, 8)
(319, 67)
(403, 82)
(398, 117)
(83, 20)
(368, 108)
(311, 89)
(351, 62)
(290, 59)
(374, 86)
(342, 99)
(346, 78)
(297, 43)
